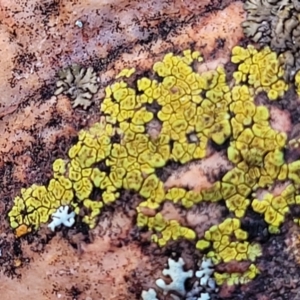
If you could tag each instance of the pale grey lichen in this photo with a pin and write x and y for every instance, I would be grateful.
(276, 23)
(78, 83)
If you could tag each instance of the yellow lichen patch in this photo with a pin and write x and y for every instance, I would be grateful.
(294, 172)
(237, 278)
(260, 69)
(93, 209)
(193, 115)
(126, 73)
(37, 203)
(59, 167)
(228, 242)
(28, 207)
(73, 181)
(165, 230)
(235, 189)
(274, 208)
(168, 230)
(186, 198)
(297, 82)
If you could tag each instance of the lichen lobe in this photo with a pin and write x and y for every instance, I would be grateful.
(79, 83)
(276, 23)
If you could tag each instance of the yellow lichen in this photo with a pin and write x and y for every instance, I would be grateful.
(126, 73)
(260, 69)
(190, 113)
(223, 248)
(237, 278)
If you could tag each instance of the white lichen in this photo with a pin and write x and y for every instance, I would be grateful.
(79, 24)
(204, 296)
(175, 290)
(149, 295)
(197, 293)
(202, 289)
(62, 217)
(205, 272)
(178, 276)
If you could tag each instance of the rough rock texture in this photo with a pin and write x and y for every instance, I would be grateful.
(38, 39)
(114, 260)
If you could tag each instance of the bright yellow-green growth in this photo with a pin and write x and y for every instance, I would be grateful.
(229, 242)
(297, 82)
(177, 117)
(166, 230)
(260, 69)
(126, 73)
(274, 208)
(237, 278)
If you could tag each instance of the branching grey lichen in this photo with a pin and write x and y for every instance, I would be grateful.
(276, 24)
(79, 83)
